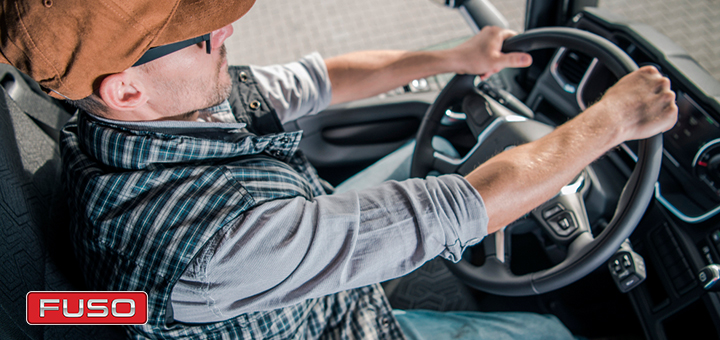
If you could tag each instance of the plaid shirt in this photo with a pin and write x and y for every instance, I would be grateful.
(146, 202)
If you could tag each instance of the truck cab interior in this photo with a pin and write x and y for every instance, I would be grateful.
(625, 251)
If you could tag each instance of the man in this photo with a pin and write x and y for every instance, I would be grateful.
(182, 183)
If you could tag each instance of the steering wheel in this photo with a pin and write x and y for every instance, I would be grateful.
(564, 217)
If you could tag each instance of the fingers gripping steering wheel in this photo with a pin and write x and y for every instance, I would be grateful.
(496, 128)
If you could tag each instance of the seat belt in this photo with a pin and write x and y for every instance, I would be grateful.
(50, 116)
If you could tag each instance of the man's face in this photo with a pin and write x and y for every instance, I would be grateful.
(188, 80)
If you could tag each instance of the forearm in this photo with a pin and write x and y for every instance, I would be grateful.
(364, 74)
(520, 179)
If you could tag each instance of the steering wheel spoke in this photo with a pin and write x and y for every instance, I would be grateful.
(497, 246)
(445, 164)
(564, 216)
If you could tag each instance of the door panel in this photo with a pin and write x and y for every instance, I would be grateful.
(386, 131)
(345, 139)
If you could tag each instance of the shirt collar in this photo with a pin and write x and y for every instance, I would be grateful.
(147, 145)
(214, 117)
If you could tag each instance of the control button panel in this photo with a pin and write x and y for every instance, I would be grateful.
(627, 268)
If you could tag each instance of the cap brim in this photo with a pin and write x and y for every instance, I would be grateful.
(195, 18)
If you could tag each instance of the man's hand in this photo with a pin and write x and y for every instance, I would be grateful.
(482, 54)
(641, 104)
(364, 74)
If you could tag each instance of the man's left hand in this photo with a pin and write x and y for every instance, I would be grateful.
(482, 54)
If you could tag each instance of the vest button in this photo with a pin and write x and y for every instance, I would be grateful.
(243, 77)
(254, 104)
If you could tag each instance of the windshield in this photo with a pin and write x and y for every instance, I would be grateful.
(691, 24)
(279, 31)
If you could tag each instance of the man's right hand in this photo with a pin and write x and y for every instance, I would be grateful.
(640, 105)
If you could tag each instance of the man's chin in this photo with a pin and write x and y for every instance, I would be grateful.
(222, 94)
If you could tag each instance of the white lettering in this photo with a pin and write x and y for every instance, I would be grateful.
(43, 307)
(73, 315)
(90, 307)
(129, 314)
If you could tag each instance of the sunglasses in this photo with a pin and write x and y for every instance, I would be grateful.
(160, 51)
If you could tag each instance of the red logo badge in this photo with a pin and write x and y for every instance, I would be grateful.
(87, 308)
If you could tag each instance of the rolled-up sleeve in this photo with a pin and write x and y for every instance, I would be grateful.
(285, 251)
(295, 89)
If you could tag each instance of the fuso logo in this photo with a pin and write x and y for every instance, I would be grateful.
(87, 308)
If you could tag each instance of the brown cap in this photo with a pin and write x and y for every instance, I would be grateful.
(66, 45)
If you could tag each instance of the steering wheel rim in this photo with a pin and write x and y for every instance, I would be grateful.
(585, 253)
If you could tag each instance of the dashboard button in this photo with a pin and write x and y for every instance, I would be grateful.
(563, 223)
(549, 212)
(627, 262)
(630, 281)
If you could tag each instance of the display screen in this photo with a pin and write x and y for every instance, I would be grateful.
(693, 129)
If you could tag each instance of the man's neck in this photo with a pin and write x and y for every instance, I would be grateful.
(189, 116)
(197, 115)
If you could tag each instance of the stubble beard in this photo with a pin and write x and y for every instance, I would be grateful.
(223, 84)
(221, 88)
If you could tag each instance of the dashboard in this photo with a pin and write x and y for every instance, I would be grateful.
(680, 233)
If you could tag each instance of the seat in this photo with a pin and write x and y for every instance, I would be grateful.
(35, 252)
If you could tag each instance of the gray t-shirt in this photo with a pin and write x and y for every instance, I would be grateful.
(295, 89)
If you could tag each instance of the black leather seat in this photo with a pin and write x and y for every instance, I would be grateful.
(35, 254)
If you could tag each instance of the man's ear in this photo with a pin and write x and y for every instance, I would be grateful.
(123, 92)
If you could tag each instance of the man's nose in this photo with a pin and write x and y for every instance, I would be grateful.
(218, 36)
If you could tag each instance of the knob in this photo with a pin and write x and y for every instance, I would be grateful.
(709, 276)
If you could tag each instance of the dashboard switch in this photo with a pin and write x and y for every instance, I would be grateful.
(627, 263)
(617, 268)
(630, 281)
(550, 212)
(563, 223)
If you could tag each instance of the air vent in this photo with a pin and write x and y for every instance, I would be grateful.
(573, 65)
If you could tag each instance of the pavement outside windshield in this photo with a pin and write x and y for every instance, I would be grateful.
(278, 31)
